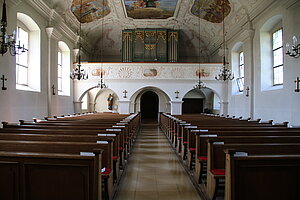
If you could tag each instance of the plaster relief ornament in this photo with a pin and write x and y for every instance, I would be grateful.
(202, 72)
(150, 9)
(177, 73)
(91, 9)
(97, 72)
(150, 72)
(211, 10)
(125, 72)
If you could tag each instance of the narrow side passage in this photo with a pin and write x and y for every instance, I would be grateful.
(154, 172)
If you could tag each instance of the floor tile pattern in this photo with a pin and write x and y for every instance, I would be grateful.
(154, 172)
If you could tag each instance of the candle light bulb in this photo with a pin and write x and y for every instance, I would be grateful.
(295, 41)
(288, 49)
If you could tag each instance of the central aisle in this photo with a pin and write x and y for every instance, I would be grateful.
(153, 170)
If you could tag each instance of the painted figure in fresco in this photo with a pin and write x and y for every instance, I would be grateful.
(150, 3)
(110, 100)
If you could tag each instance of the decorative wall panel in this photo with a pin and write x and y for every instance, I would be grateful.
(152, 70)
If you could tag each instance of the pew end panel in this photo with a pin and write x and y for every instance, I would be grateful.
(262, 177)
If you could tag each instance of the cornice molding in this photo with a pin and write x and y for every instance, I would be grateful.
(12, 2)
(54, 18)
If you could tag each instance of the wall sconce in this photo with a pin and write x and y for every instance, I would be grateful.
(247, 91)
(297, 81)
(8, 42)
(53, 89)
(125, 94)
(3, 79)
(295, 50)
(177, 93)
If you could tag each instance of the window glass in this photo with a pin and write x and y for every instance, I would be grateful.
(277, 57)
(22, 59)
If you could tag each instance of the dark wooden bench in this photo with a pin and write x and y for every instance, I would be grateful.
(216, 157)
(48, 176)
(262, 177)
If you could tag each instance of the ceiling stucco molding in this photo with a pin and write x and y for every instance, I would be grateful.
(53, 17)
(13, 2)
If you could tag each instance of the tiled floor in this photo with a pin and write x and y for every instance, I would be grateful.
(154, 172)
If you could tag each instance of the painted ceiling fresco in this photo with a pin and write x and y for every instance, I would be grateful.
(211, 10)
(91, 10)
(150, 9)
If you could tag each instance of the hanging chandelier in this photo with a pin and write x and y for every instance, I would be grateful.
(199, 84)
(79, 73)
(101, 83)
(225, 73)
(9, 41)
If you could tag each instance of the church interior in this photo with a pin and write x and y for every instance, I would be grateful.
(168, 99)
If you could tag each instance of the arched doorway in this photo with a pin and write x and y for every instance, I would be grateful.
(149, 106)
(203, 100)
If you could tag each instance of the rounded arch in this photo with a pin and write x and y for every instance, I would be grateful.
(97, 99)
(271, 25)
(164, 99)
(28, 22)
(201, 100)
(64, 66)
(27, 26)
(206, 88)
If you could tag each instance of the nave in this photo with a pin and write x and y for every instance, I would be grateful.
(154, 171)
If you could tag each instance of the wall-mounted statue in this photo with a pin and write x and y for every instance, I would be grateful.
(110, 100)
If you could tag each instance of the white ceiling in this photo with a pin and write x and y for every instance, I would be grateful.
(117, 20)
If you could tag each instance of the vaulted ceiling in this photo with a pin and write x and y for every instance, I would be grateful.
(104, 20)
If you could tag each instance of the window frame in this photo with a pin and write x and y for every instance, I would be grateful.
(25, 29)
(273, 57)
(60, 68)
(241, 79)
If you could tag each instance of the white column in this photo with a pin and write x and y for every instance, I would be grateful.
(77, 106)
(49, 31)
(124, 107)
(224, 108)
(176, 107)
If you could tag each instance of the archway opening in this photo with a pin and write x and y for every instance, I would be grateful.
(203, 100)
(149, 106)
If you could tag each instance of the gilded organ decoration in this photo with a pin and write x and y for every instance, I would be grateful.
(139, 35)
(173, 34)
(211, 10)
(150, 34)
(127, 35)
(161, 35)
(150, 47)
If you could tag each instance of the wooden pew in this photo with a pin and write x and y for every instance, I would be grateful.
(27, 175)
(262, 177)
(69, 148)
(216, 157)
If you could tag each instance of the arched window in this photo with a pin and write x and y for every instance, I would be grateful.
(238, 67)
(63, 69)
(28, 65)
(22, 59)
(241, 70)
(271, 51)
(277, 47)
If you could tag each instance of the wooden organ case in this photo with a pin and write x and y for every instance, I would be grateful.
(150, 45)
